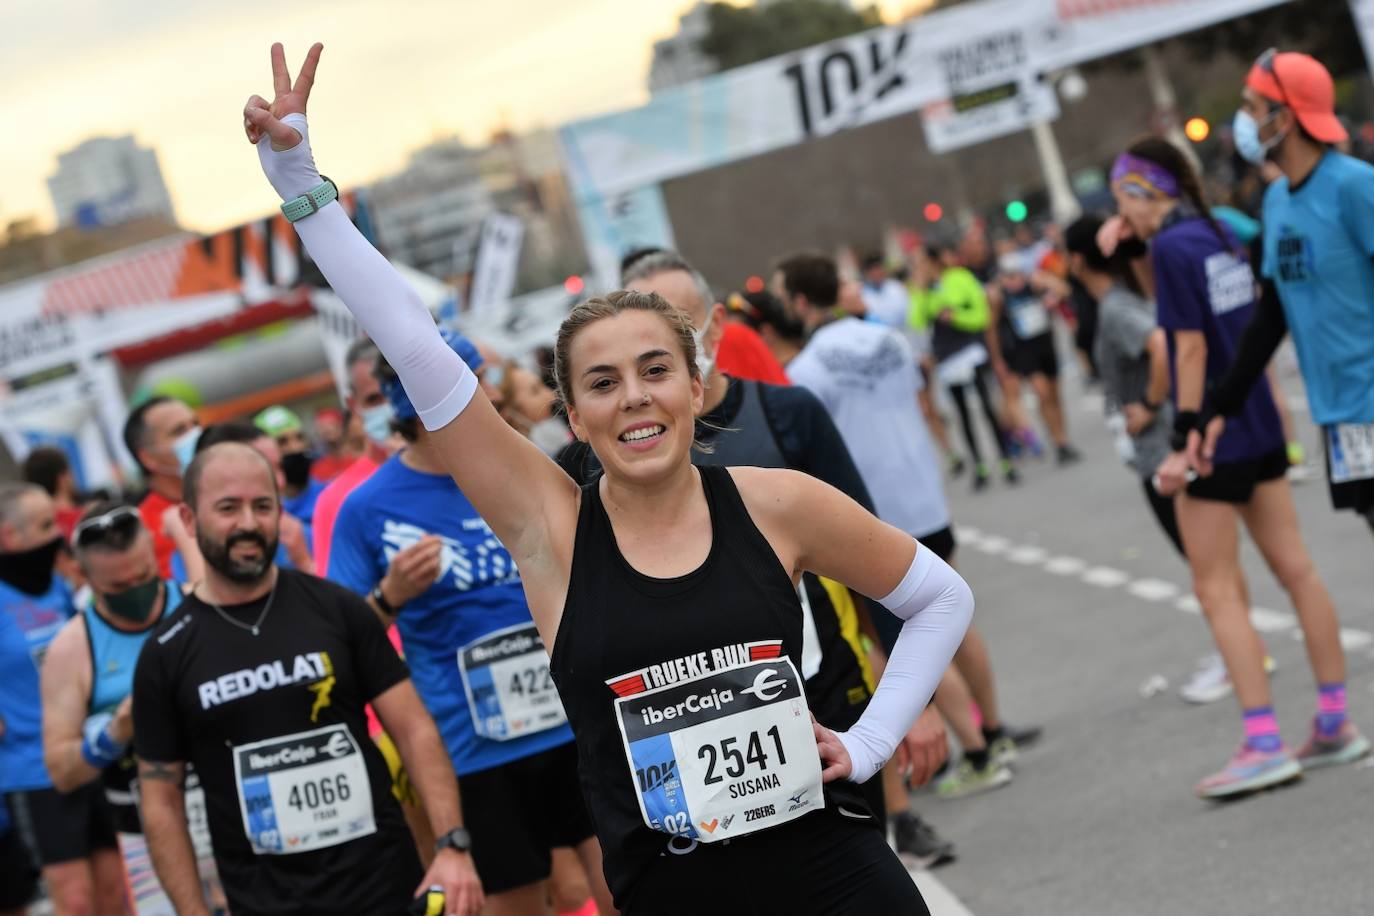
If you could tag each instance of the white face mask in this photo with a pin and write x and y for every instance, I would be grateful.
(184, 448)
(705, 363)
(377, 422)
(550, 435)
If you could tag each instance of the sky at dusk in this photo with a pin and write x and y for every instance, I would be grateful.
(394, 75)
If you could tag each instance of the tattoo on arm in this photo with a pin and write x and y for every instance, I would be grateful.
(162, 772)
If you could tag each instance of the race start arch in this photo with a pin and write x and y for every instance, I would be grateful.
(974, 72)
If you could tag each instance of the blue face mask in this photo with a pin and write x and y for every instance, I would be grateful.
(1245, 130)
(377, 422)
(184, 448)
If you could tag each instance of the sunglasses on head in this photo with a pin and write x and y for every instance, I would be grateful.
(92, 530)
(1268, 62)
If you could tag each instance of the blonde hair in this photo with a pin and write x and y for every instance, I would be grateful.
(616, 303)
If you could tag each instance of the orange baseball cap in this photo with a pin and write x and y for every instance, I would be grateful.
(1300, 82)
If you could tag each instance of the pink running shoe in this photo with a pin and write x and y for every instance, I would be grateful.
(1346, 746)
(1249, 771)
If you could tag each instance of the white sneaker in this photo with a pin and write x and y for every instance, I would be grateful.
(1211, 682)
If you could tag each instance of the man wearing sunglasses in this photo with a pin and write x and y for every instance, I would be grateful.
(1318, 270)
(87, 679)
(71, 833)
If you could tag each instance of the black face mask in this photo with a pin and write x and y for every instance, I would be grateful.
(295, 467)
(30, 570)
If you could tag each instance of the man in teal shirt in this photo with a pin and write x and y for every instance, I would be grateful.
(1318, 270)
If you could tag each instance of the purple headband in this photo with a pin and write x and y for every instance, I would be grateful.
(1144, 178)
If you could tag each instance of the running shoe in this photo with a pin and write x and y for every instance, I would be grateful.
(1249, 771)
(956, 465)
(967, 779)
(1004, 749)
(1346, 746)
(917, 843)
(1067, 455)
(1009, 472)
(1211, 682)
(980, 477)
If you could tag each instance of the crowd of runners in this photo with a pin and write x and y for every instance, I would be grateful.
(676, 607)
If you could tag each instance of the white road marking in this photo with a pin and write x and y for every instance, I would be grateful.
(1106, 577)
(1355, 640)
(1065, 566)
(993, 544)
(940, 900)
(1029, 555)
(1267, 621)
(1153, 589)
(1188, 604)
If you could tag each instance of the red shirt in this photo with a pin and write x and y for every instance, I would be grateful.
(330, 466)
(327, 507)
(743, 354)
(152, 508)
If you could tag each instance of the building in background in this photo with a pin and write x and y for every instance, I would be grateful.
(106, 181)
(678, 59)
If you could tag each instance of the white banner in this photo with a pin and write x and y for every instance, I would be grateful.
(498, 257)
(864, 78)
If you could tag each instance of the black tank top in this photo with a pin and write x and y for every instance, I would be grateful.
(684, 693)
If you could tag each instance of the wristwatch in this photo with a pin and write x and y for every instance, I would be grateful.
(457, 839)
(298, 208)
(380, 600)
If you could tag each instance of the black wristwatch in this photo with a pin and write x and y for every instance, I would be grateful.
(1152, 408)
(380, 600)
(457, 839)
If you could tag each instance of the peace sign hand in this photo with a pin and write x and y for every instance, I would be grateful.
(286, 159)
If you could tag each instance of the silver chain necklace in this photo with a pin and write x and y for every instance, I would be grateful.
(256, 627)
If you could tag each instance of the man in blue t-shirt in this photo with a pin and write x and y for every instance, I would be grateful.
(409, 539)
(1317, 267)
(72, 833)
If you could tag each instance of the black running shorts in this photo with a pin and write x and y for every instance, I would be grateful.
(1036, 356)
(1235, 481)
(518, 812)
(822, 863)
(941, 543)
(18, 877)
(64, 827)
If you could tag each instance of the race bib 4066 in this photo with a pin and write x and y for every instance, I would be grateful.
(304, 791)
(724, 754)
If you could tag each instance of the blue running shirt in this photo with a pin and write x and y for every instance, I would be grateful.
(1319, 252)
(478, 594)
(28, 624)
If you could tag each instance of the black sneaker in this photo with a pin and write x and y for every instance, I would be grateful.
(1068, 455)
(1004, 744)
(918, 844)
(980, 478)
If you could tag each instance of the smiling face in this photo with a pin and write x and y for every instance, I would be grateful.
(633, 393)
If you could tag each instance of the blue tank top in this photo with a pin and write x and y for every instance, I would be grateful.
(114, 653)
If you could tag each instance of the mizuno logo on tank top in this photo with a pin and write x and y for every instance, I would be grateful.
(313, 668)
(691, 667)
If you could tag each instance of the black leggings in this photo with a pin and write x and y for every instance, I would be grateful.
(1163, 507)
(824, 864)
(960, 395)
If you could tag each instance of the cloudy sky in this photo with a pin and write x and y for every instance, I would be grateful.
(394, 75)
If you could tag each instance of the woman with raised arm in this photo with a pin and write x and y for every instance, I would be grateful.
(667, 592)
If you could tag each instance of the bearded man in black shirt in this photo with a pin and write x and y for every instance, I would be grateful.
(260, 683)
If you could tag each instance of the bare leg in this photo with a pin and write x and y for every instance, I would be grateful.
(568, 885)
(528, 900)
(1272, 521)
(71, 887)
(589, 851)
(1051, 408)
(954, 701)
(975, 665)
(107, 872)
(1211, 536)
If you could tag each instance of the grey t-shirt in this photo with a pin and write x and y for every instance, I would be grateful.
(1125, 322)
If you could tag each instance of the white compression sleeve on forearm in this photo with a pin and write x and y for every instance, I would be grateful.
(439, 383)
(937, 606)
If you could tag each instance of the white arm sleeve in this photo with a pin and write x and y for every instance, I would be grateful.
(439, 383)
(937, 606)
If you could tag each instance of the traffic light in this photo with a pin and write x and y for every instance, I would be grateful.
(934, 212)
(1197, 129)
(1017, 211)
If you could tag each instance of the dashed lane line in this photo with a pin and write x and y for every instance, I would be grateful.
(1266, 620)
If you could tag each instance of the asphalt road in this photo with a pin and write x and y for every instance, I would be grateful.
(1082, 601)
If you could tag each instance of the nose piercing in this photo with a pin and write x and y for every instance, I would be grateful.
(645, 401)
